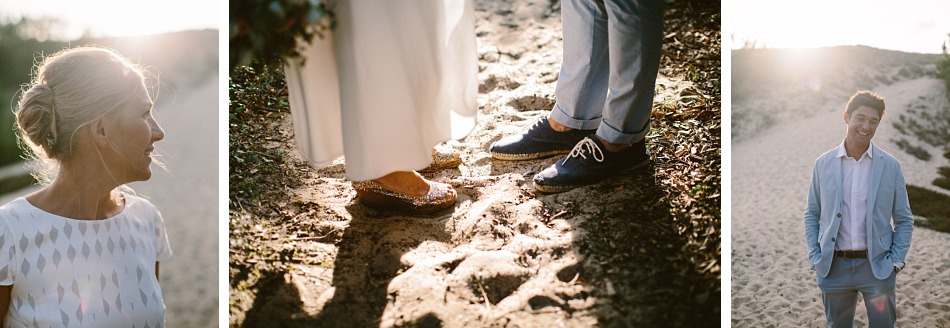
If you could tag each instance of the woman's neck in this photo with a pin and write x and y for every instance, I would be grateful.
(79, 197)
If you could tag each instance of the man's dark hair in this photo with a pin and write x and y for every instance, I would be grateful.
(866, 98)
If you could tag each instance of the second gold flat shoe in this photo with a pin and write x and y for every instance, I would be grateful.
(443, 158)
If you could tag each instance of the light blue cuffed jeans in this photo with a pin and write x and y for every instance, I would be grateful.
(611, 58)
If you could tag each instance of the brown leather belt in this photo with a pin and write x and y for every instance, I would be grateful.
(862, 254)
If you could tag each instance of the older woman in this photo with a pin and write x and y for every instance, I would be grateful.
(82, 251)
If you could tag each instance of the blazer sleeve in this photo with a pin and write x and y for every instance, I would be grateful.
(903, 219)
(812, 216)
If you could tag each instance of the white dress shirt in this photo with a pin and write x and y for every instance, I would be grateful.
(856, 181)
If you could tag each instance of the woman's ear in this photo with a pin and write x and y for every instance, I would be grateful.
(98, 131)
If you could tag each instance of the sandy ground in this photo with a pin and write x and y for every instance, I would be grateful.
(505, 256)
(186, 194)
(771, 283)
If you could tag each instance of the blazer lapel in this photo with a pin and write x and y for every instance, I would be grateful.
(836, 190)
(877, 173)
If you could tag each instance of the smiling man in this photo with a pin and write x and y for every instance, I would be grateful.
(858, 222)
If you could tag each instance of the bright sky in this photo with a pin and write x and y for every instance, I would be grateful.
(910, 26)
(111, 18)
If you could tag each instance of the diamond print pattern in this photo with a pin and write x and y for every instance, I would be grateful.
(41, 263)
(57, 257)
(97, 273)
(53, 234)
(38, 239)
(25, 267)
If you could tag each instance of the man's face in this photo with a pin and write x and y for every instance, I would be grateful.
(862, 123)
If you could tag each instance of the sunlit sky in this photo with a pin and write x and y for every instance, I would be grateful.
(113, 18)
(910, 26)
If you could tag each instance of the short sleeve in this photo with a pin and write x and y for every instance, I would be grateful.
(162, 248)
(8, 262)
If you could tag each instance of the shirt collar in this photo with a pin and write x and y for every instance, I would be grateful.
(842, 152)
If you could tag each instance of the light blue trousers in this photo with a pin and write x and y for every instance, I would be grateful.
(839, 292)
(611, 58)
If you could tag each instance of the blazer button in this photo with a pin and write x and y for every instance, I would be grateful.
(839, 215)
(832, 239)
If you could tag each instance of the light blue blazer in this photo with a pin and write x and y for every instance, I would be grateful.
(887, 202)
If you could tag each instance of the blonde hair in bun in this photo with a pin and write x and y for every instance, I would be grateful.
(70, 89)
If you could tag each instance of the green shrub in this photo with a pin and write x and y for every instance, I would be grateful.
(255, 98)
(943, 66)
(931, 205)
(918, 152)
(943, 182)
(9, 151)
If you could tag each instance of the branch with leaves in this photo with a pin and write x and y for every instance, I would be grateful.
(264, 32)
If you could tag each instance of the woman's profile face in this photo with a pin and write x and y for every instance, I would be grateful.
(132, 133)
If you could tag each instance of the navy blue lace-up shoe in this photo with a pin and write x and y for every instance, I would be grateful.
(538, 142)
(589, 163)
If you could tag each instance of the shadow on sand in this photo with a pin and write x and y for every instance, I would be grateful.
(369, 257)
(632, 256)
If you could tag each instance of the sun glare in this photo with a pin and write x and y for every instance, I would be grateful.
(114, 18)
(894, 25)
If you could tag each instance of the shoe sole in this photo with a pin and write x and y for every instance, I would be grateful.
(388, 203)
(527, 157)
(560, 189)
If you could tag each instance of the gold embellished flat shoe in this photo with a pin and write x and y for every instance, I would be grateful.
(441, 196)
(443, 158)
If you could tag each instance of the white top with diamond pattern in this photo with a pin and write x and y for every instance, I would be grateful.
(76, 273)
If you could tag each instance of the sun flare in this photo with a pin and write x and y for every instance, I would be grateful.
(921, 27)
(114, 18)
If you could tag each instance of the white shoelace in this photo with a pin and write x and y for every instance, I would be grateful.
(586, 145)
(531, 126)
